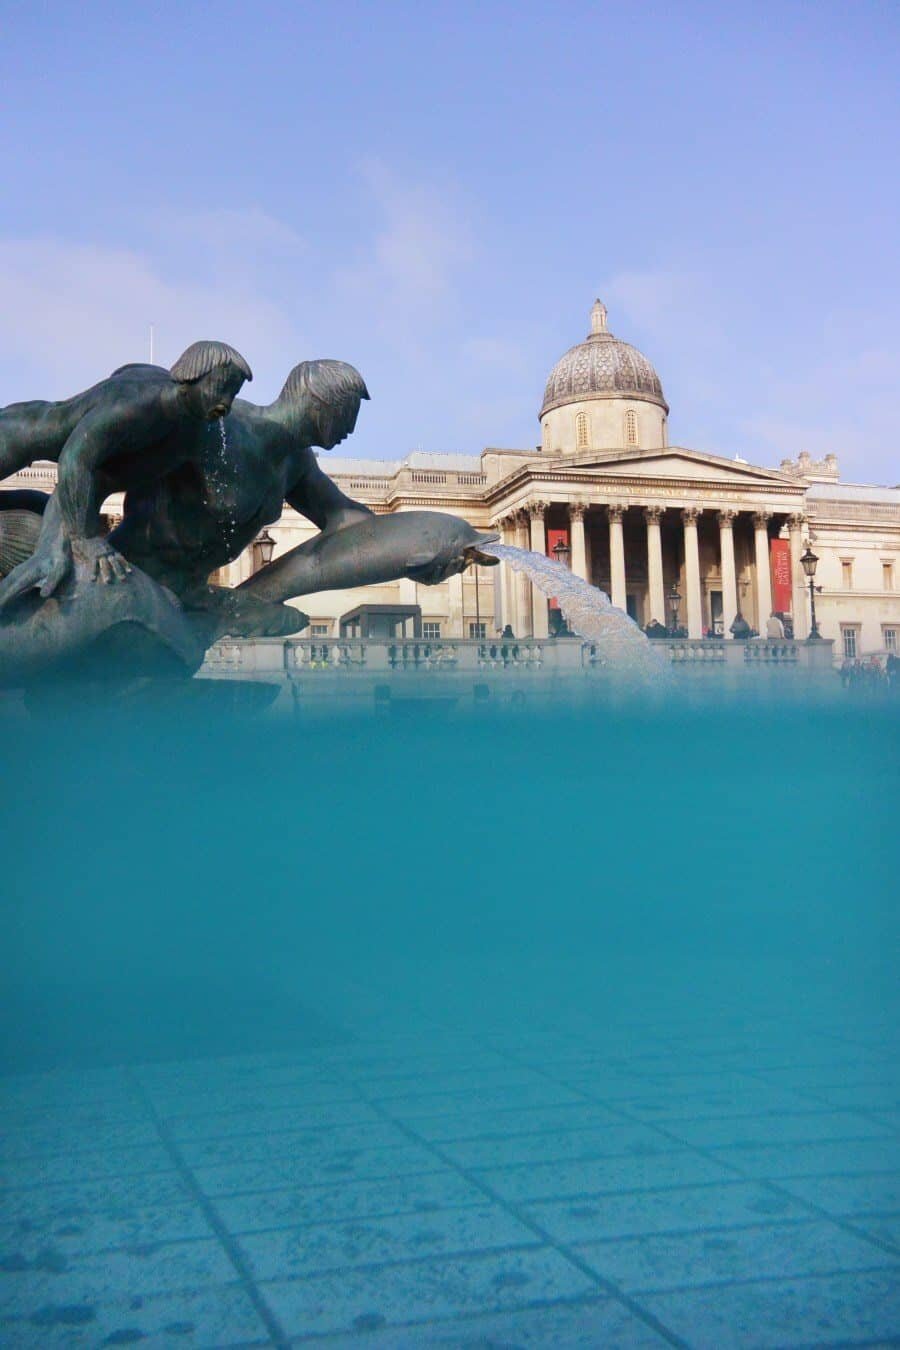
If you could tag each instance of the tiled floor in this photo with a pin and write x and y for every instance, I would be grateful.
(555, 1185)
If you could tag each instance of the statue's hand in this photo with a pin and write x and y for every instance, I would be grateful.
(99, 560)
(45, 571)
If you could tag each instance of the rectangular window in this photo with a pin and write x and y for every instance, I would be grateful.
(849, 636)
(319, 629)
(431, 631)
(847, 573)
(890, 639)
(887, 575)
(477, 630)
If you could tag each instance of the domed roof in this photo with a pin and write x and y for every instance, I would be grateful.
(602, 367)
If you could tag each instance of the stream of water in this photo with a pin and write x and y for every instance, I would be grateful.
(588, 612)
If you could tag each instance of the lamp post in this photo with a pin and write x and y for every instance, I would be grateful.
(674, 600)
(561, 552)
(263, 548)
(809, 562)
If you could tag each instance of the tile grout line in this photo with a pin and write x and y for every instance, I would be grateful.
(711, 1155)
(275, 1331)
(546, 1238)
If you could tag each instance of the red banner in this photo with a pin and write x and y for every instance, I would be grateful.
(555, 537)
(780, 562)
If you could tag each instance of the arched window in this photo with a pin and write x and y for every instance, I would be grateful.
(547, 434)
(581, 432)
(631, 434)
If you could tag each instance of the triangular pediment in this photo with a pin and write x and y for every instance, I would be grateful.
(672, 461)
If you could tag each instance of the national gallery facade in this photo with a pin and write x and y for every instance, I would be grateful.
(676, 537)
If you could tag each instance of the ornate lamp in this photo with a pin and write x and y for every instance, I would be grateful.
(809, 562)
(561, 552)
(674, 600)
(263, 548)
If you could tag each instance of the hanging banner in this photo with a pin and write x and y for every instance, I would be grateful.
(555, 537)
(780, 564)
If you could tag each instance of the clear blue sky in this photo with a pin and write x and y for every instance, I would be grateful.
(437, 192)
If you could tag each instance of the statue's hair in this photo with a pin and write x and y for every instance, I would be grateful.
(203, 357)
(335, 384)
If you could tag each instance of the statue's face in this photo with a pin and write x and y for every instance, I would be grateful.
(213, 396)
(333, 426)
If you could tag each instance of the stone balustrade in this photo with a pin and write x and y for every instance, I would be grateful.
(293, 658)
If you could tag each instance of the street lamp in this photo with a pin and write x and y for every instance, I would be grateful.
(561, 552)
(674, 601)
(263, 548)
(809, 562)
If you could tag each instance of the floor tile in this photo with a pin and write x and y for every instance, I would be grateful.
(877, 1192)
(95, 1276)
(214, 1318)
(293, 1206)
(607, 1141)
(676, 1259)
(394, 1295)
(583, 1325)
(681, 1208)
(856, 1307)
(405, 1237)
(310, 1170)
(546, 1180)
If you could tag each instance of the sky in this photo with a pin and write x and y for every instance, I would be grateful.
(437, 192)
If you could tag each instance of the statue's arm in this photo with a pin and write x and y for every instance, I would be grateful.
(97, 436)
(319, 498)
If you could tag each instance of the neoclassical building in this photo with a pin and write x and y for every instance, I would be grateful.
(669, 532)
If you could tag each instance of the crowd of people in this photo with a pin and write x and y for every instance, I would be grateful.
(871, 674)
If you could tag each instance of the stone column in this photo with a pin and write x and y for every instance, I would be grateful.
(653, 516)
(508, 528)
(692, 573)
(455, 606)
(578, 541)
(522, 584)
(799, 592)
(729, 575)
(763, 577)
(616, 556)
(540, 619)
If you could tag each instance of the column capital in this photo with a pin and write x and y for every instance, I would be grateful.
(577, 510)
(797, 521)
(536, 510)
(653, 514)
(689, 515)
(761, 519)
(615, 510)
(726, 517)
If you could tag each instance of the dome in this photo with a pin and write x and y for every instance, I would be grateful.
(602, 367)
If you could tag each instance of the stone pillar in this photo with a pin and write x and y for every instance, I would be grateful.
(799, 591)
(540, 619)
(729, 575)
(692, 573)
(653, 516)
(616, 556)
(523, 585)
(455, 606)
(509, 533)
(578, 541)
(763, 577)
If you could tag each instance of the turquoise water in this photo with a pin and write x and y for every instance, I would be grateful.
(558, 1029)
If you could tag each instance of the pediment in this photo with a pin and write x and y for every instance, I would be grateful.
(675, 462)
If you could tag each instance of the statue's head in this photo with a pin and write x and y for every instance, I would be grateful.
(210, 375)
(325, 396)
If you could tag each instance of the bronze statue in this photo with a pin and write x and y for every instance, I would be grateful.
(201, 482)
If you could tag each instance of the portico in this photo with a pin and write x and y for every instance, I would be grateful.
(636, 537)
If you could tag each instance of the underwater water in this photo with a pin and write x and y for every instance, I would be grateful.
(560, 1028)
